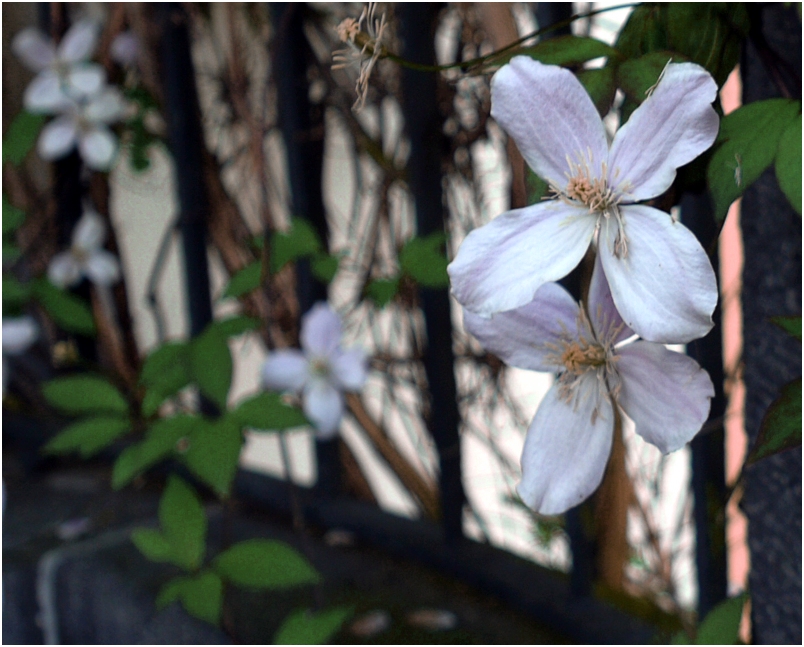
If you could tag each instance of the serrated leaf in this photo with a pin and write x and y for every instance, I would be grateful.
(301, 240)
(211, 365)
(601, 86)
(184, 523)
(750, 138)
(88, 436)
(567, 50)
(213, 453)
(381, 291)
(160, 442)
(781, 426)
(201, 595)
(67, 310)
(424, 261)
(265, 564)
(721, 626)
(244, 281)
(78, 394)
(304, 627)
(166, 370)
(152, 544)
(234, 326)
(324, 267)
(12, 217)
(21, 136)
(267, 411)
(788, 163)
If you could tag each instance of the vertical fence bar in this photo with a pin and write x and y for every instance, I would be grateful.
(423, 123)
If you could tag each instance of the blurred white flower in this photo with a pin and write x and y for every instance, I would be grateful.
(64, 72)
(18, 335)
(321, 371)
(86, 256)
(125, 49)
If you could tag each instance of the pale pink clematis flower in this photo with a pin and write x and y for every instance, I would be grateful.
(86, 256)
(666, 394)
(661, 279)
(321, 371)
(64, 71)
(18, 335)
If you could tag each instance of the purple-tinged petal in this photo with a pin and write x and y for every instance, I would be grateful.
(500, 266)
(98, 147)
(566, 449)
(285, 370)
(86, 80)
(320, 330)
(79, 42)
(550, 117)
(520, 337)
(64, 270)
(106, 107)
(44, 95)
(58, 138)
(602, 312)
(89, 232)
(18, 334)
(323, 406)
(666, 394)
(34, 49)
(664, 286)
(125, 48)
(102, 268)
(349, 368)
(674, 125)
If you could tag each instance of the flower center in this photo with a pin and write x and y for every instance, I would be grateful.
(319, 367)
(80, 254)
(580, 357)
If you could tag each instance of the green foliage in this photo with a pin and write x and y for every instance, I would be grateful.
(12, 217)
(536, 187)
(211, 365)
(644, 31)
(601, 86)
(567, 50)
(720, 627)
(265, 564)
(637, 76)
(139, 138)
(88, 436)
(749, 139)
(381, 291)
(20, 138)
(267, 411)
(781, 426)
(182, 540)
(791, 325)
(300, 241)
(423, 260)
(77, 394)
(234, 326)
(213, 452)
(324, 267)
(160, 442)
(304, 627)
(67, 310)
(201, 595)
(788, 163)
(14, 293)
(244, 281)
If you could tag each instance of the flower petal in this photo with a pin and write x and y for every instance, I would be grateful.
(98, 146)
(57, 138)
(34, 49)
(125, 48)
(664, 287)
(674, 125)
(550, 117)
(44, 95)
(106, 107)
(79, 42)
(285, 370)
(18, 334)
(519, 337)
(102, 268)
(603, 313)
(64, 270)
(87, 79)
(349, 368)
(500, 266)
(320, 330)
(323, 406)
(666, 394)
(566, 449)
(89, 232)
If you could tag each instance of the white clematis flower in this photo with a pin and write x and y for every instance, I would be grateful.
(18, 335)
(661, 279)
(567, 447)
(64, 71)
(321, 371)
(86, 256)
(85, 124)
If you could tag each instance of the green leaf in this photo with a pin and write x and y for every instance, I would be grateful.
(568, 50)
(151, 402)
(265, 564)
(88, 436)
(213, 453)
(244, 281)
(234, 326)
(10, 252)
(201, 595)
(750, 139)
(381, 291)
(184, 524)
(14, 292)
(300, 241)
(536, 187)
(791, 325)
(324, 267)
(267, 411)
(211, 365)
(424, 261)
(637, 76)
(153, 544)
(21, 136)
(67, 310)
(12, 217)
(644, 31)
(166, 369)
(788, 163)
(781, 426)
(78, 394)
(304, 627)
(160, 442)
(601, 86)
(721, 626)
